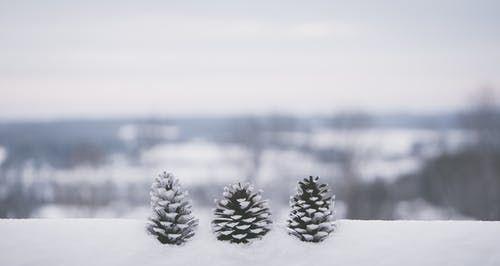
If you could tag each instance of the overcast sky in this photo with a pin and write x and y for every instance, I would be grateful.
(118, 58)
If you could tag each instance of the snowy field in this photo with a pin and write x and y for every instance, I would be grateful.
(107, 242)
(383, 153)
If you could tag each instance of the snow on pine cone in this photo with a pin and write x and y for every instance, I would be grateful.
(171, 221)
(311, 214)
(241, 216)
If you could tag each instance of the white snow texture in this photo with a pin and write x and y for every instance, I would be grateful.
(121, 242)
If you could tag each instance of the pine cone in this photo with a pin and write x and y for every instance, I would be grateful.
(241, 216)
(172, 221)
(311, 215)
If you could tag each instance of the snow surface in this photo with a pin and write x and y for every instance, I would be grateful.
(125, 242)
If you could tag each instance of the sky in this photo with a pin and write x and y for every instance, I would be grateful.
(61, 59)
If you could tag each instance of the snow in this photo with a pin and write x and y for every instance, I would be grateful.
(133, 132)
(124, 242)
(290, 163)
(387, 141)
(389, 170)
(381, 153)
(421, 210)
(197, 161)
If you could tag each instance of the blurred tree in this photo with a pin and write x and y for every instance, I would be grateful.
(348, 125)
(483, 120)
(249, 132)
(469, 180)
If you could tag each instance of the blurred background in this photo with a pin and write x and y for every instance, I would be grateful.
(392, 103)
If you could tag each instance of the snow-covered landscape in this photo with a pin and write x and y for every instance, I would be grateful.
(122, 242)
(249, 133)
(385, 153)
(379, 153)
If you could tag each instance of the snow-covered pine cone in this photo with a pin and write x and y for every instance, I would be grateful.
(171, 221)
(311, 214)
(241, 216)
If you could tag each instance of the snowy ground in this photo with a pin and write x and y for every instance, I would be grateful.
(383, 153)
(124, 242)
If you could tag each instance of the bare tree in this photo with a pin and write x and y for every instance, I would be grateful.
(349, 164)
(249, 132)
(469, 180)
(483, 120)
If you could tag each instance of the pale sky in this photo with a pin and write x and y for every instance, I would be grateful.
(61, 59)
